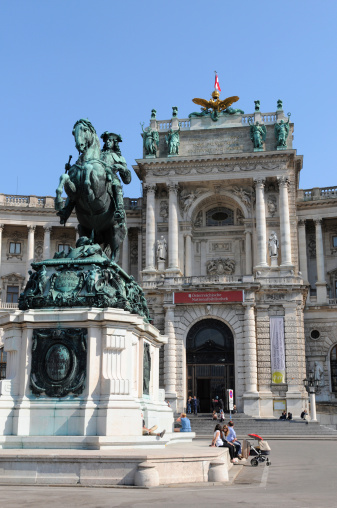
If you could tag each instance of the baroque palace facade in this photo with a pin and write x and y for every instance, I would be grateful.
(238, 264)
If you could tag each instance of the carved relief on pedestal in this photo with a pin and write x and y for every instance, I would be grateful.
(220, 266)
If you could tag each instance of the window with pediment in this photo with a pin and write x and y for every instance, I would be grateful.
(220, 216)
(11, 286)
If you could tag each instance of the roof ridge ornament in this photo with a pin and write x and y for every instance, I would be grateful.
(216, 105)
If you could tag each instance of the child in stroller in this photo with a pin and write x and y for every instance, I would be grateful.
(260, 451)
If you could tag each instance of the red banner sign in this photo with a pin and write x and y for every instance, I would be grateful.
(208, 297)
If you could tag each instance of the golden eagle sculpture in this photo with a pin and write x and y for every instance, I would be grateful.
(217, 106)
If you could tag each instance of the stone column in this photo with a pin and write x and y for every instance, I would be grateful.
(173, 228)
(321, 283)
(46, 242)
(150, 227)
(249, 263)
(30, 248)
(140, 252)
(302, 250)
(284, 222)
(170, 375)
(261, 231)
(1, 230)
(251, 396)
(188, 255)
(203, 257)
(125, 253)
(250, 349)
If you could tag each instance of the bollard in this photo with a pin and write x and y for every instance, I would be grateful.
(217, 471)
(146, 475)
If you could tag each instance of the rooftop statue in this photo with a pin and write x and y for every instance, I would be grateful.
(216, 106)
(94, 189)
(150, 140)
(281, 133)
(258, 133)
(172, 140)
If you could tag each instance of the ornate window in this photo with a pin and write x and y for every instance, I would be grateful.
(63, 247)
(15, 247)
(219, 216)
(11, 286)
(333, 368)
(12, 294)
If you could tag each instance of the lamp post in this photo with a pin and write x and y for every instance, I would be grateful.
(311, 385)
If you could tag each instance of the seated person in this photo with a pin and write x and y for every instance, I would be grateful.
(283, 416)
(231, 438)
(217, 441)
(150, 432)
(226, 444)
(304, 414)
(290, 416)
(185, 424)
(234, 410)
(214, 415)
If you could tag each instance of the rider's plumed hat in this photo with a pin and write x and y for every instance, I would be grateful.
(106, 135)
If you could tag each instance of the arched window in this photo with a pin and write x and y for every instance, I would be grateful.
(333, 368)
(220, 216)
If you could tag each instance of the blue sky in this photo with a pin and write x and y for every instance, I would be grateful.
(113, 61)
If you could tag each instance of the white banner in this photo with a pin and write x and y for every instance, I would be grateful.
(277, 350)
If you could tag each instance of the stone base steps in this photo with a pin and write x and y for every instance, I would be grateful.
(203, 425)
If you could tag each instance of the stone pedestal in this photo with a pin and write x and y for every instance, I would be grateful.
(97, 389)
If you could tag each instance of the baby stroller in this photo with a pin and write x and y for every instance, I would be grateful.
(260, 451)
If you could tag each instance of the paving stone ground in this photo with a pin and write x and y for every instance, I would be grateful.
(302, 475)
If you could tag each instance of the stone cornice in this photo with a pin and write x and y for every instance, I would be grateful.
(148, 163)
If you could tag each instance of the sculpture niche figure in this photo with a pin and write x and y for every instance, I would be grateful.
(90, 191)
(281, 133)
(172, 140)
(273, 245)
(150, 140)
(161, 249)
(258, 134)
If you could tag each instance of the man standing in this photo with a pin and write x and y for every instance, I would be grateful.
(195, 405)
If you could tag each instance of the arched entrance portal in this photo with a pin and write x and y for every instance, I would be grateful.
(210, 361)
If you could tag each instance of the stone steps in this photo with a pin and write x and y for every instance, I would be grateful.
(203, 425)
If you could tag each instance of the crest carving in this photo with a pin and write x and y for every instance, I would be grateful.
(220, 266)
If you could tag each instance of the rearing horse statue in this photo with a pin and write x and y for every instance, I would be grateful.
(89, 190)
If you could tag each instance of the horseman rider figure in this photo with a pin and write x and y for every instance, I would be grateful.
(114, 161)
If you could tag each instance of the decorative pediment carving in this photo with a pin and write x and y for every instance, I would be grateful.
(220, 266)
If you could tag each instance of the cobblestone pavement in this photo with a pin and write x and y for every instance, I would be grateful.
(302, 474)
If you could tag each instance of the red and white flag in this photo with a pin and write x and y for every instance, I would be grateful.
(216, 84)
